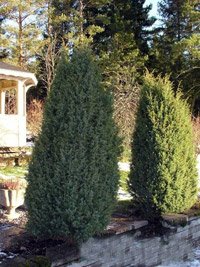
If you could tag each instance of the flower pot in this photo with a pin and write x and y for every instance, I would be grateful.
(11, 199)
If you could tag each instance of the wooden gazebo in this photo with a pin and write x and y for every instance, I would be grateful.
(14, 83)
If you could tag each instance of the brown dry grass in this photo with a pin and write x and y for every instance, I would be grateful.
(35, 117)
(196, 131)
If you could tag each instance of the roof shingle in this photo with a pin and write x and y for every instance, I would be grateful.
(7, 66)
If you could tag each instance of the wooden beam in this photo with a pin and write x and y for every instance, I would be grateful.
(6, 84)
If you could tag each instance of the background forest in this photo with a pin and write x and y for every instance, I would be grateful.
(125, 39)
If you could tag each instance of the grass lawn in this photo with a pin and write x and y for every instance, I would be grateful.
(126, 155)
(19, 172)
(123, 180)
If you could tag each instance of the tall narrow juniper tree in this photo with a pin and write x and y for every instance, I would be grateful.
(163, 174)
(73, 175)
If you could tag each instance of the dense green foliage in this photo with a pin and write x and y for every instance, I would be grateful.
(122, 34)
(73, 176)
(122, 47)
(163, 174)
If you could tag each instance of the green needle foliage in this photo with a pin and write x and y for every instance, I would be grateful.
(73, 176)
(163, 174)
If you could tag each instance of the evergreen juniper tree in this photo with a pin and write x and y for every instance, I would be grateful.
(163, 175)
(73, 175)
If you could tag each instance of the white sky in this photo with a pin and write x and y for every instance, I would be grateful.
(154, 7)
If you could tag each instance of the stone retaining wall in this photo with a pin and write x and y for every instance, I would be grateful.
(130, 249)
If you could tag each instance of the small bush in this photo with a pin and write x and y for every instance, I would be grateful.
(125, 105)
(163, 175)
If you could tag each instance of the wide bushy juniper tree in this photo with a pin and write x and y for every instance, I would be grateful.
(163, 175)
(73, 175)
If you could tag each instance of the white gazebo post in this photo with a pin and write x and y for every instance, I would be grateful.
(20, 98)
(2, 95)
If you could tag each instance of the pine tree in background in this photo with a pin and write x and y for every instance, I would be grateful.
(73, 175)
(175, 47)
(3, 51)
(21, 37)
(122, 48)
(142, 24)
(163, 175)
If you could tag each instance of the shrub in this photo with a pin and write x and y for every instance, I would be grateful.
(73, 175)
(125, 105)
(196, 130)
(34, 117)
(163, 175)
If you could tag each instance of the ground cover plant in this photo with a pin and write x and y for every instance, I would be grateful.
(163, 176)
(73, 175)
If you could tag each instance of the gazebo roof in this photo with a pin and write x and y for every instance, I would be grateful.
(11, 72)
